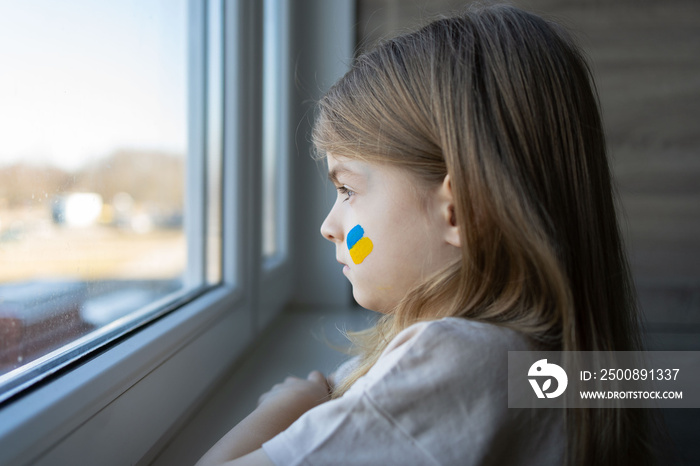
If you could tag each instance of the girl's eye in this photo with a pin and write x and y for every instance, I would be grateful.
(346, 191)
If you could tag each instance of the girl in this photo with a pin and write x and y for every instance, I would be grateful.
(474, 211)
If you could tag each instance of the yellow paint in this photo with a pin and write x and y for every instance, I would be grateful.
(361, 250)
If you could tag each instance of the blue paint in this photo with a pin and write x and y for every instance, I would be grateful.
(354, 236)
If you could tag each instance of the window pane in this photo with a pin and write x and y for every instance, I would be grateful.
(93, 163)
(214, 155)
(274, 120)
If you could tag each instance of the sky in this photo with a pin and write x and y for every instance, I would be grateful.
(80, 79)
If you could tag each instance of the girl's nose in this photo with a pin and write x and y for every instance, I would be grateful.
(330, 229)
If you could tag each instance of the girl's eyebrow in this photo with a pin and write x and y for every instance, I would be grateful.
(334, 173)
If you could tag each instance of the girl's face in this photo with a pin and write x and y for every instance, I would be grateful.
(390, 231)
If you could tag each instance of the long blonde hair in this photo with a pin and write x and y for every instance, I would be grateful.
(504, 102)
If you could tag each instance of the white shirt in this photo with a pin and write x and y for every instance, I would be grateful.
(437, 395)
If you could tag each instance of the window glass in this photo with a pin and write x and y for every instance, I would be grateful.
(94, 170)
(214, 155)
(274, 120)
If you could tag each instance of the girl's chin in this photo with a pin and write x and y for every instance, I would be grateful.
(368, 302)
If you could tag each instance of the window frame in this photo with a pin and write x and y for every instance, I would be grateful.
(85, 413)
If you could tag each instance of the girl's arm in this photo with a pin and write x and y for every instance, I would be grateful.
(277, 410)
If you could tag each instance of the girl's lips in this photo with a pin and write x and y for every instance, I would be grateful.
(346, 269)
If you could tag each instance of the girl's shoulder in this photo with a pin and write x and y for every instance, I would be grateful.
(456, 370)
(458, 330)
(446, 351)
(457, 338)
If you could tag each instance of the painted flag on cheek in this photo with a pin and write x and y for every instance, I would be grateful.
(359, 245)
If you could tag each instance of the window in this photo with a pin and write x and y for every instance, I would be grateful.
(149, 360)
(275, 283)
(275, 117)
(110, 175)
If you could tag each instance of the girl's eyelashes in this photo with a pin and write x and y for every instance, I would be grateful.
(344, 190)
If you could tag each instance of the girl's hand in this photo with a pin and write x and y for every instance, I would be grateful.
(298, 394)
(277, 410)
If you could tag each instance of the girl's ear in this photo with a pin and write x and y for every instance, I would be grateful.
(447, 211)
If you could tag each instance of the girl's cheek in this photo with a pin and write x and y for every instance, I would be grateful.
(358, 244)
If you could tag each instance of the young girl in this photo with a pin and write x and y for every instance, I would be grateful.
(474, 211)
